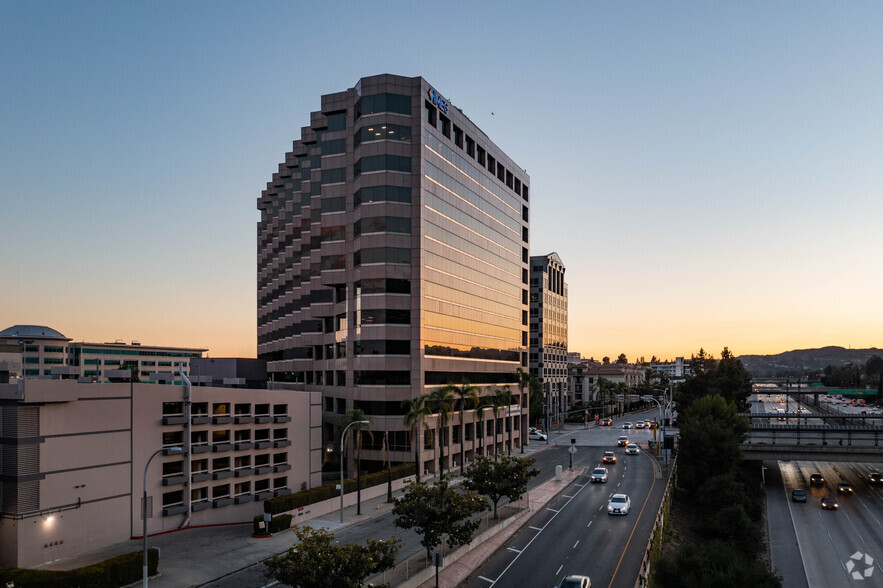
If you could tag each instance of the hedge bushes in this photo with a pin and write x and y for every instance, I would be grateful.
(277, 523)
(111, 573)
(288, 502)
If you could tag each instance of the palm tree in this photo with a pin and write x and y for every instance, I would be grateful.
(415, 411)
(523, 382)
(355, 416)
(442, 402)
(480, 414)
(502, 398)
(464, 391)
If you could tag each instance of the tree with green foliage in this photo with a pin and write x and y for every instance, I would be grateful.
(622, 359)
(524, 388)
(536, 399)
(416, 412)
(732, 380)
(874, 369)
(711, 432)
(464, 392)
(441, 402)
(726, 377)
(436, 510)
(355, 417)
(495, 479)
(316, 560)
(713, 564)
(502, 399)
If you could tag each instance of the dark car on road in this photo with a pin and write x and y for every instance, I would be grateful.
(798, 495)
(816, 480)
(829, 503)
(844, 488)
(875, 478)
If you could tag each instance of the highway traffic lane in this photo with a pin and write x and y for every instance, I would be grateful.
(821, 565)
(785, 554)
(829, 538)
(581, 538)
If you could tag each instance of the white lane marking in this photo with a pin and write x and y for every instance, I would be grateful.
(535, 528)
(559, 570)
(793, 523)
(566, 496)
(589, 525)
(553, 510)
(575, 544)
(485, 579)
(514, 559)
(513, 549)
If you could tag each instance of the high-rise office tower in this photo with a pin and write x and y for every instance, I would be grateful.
(548, 330)
(393, 260)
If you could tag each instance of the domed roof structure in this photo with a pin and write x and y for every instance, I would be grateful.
(32, 332)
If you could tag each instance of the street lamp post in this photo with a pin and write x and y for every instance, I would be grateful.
(169, 451)
(342, 437)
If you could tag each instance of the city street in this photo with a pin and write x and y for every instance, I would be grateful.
(574, 534)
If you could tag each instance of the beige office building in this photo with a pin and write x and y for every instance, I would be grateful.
(74, 455)
(392, 260)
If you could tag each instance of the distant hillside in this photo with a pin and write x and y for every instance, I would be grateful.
(802, 360)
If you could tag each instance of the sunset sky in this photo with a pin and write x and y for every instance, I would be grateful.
(710, 174)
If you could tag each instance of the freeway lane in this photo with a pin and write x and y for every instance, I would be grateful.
(828, 539)
(575, 535)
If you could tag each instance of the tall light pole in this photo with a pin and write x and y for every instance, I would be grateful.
(168, 451)
(342, 437)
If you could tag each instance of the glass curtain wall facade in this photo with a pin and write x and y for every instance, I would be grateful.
(392, 260)
(548, 331)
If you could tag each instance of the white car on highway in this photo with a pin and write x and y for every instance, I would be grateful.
(619, 504)
(632, 449)
(599, 475)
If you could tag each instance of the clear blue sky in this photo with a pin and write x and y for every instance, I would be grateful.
(711, 174)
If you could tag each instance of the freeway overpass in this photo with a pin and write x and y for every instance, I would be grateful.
(825, 437)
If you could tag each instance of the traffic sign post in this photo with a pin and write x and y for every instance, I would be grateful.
(572, 451)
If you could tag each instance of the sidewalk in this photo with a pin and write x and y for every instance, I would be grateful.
(201, 555)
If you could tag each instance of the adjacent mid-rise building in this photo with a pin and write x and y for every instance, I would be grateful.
(548, 329)
(76, 454)
(392, 260)
(46, 353)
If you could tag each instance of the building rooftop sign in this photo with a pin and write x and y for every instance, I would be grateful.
(438, 100)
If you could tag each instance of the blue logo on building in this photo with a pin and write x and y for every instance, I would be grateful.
(438, 100)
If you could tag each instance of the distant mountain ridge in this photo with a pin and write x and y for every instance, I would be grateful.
(802, 360)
